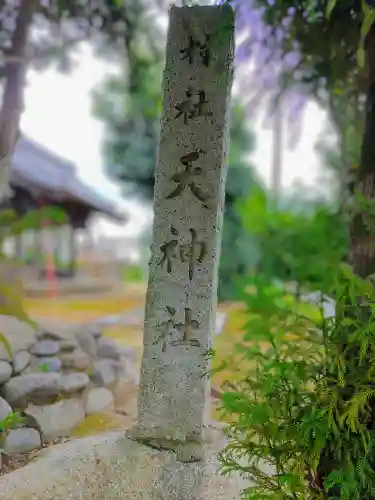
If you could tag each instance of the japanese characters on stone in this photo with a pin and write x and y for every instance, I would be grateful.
(194, 105)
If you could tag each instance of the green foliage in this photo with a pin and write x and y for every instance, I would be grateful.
(43, 367)
(13, 419)
(132, 128)
(63, 24)
(301, 418)
(328, 44)
(266, 408)
(132, 274)
(293, 245)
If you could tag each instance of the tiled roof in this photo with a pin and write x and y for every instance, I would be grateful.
(42, 172)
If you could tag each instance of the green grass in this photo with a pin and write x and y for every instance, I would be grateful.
(132, 274)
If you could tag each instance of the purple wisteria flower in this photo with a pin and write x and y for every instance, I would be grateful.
(261, 61)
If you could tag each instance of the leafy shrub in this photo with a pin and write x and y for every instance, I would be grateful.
(11, 420)
(302, 418)
(303, 244)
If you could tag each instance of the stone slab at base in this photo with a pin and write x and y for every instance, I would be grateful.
(113, 467)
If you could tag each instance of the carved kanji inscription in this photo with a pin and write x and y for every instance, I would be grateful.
(194, 106)
(186, 330)
(187, 179)
(197, 49)
(193, 252)
(170, 252)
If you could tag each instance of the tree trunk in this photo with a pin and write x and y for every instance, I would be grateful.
(362, 243)
(12, 105)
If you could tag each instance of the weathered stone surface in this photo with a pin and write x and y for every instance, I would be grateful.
(45, 348)
(56, 420)
(105, 373)
(73, 382)
(129, 353)
(188, 211)
(21, 361)
(21, 336)
(5, 409)
(126, 393)
(98, 400)
(42, 388)
(112, 467)
(47, 335)
(5, 371)
(67, 345)
(93, 329)
(126, 370)
(107, 348)
(21, 390)
(76, 360)
(87, 343)
(21, 441)
(43, 364)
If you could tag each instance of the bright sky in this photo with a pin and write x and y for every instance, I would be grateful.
(58, 115)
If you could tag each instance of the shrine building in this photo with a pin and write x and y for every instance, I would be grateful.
(41, 178)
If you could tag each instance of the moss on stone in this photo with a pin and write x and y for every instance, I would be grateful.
(100, 423)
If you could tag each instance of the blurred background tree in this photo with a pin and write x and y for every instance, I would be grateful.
(41, 32)
(129, 105)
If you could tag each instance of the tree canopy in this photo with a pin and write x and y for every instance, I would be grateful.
(39, 32)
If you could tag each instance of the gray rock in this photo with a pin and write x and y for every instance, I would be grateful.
(5, 409)
(105, 373)
(87, 343)
(52, 364)
(129, 353)
(127, 367)
(48, 335)
(22, 441)
(42, 388)
(107, 348)
(45, 348)
(76, 360)
(21, 336)
(56, 420)
(67, 345)
(98, 400)
(21, 361)
(113, 467)
(93, 329)
(126, 397)
(72, 383)
(31, 388)
(5, 371)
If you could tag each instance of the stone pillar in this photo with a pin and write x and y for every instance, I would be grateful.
(188, 212)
